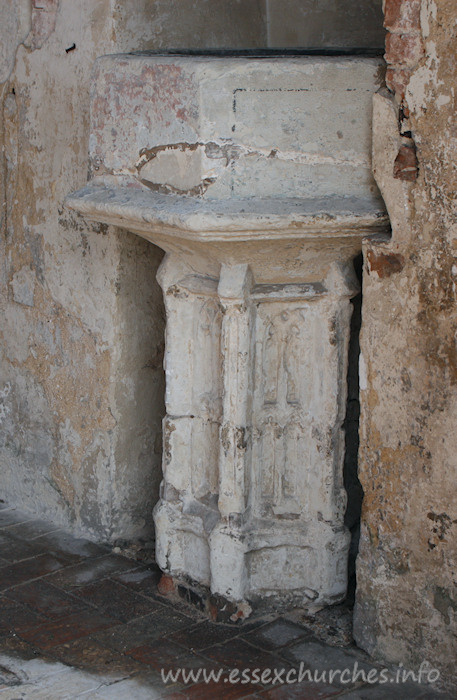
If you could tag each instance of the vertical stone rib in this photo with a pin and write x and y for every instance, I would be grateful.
(234, 287)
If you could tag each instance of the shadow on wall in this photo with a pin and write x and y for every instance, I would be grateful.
(330, 24)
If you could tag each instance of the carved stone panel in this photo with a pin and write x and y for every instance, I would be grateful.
(282, 394)
(193, 367)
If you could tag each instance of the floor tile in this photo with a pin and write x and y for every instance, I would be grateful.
(10, 516)
(276, 634)
(30, 529)
(66, 629)
(21, 572)
(237, 653)
(301, 691)
(14, 617)
(13, 646)
(319, 657)
(145, 630)
(115, 600)
(64, 543)
(90, 571)
(203, 635)
(78, 622)
(12, 549)
(210, 691)
(32, 669)
(90, 655)
(134, 688)
(165, 654)
(394, 691)
(142, 580)
(8, 678)
(46, 599)
(67, 684)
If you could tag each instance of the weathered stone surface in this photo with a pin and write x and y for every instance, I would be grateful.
(81, 377)
(205, 126)
(403, 49)
(15, 21)
(256, 282)
(406, 596)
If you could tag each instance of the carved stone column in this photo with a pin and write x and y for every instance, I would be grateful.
(224, 163)
(187, 511)
(281, 497)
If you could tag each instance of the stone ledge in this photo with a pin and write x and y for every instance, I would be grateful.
(231, 219)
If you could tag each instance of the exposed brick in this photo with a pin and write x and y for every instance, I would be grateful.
(166, 585)
(403, 49)
(402, 16)
(397, 80)
(405, 165)
(405, 110)
(385, 264)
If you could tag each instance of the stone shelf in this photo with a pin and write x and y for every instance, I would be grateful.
(229, 219)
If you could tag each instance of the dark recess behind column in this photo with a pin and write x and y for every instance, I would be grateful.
(351, 425)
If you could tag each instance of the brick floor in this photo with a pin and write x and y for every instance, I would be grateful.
(79, 622)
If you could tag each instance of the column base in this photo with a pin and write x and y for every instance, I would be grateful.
(283, 564)
(182, 548)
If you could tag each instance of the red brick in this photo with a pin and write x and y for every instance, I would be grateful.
(406, 166)
(397, 80)
(403, 49)
(166, 585)
(385, 264)
(402, 16)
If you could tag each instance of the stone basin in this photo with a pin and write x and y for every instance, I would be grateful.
(254, 175)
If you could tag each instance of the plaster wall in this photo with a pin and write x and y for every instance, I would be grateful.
(406, 597)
